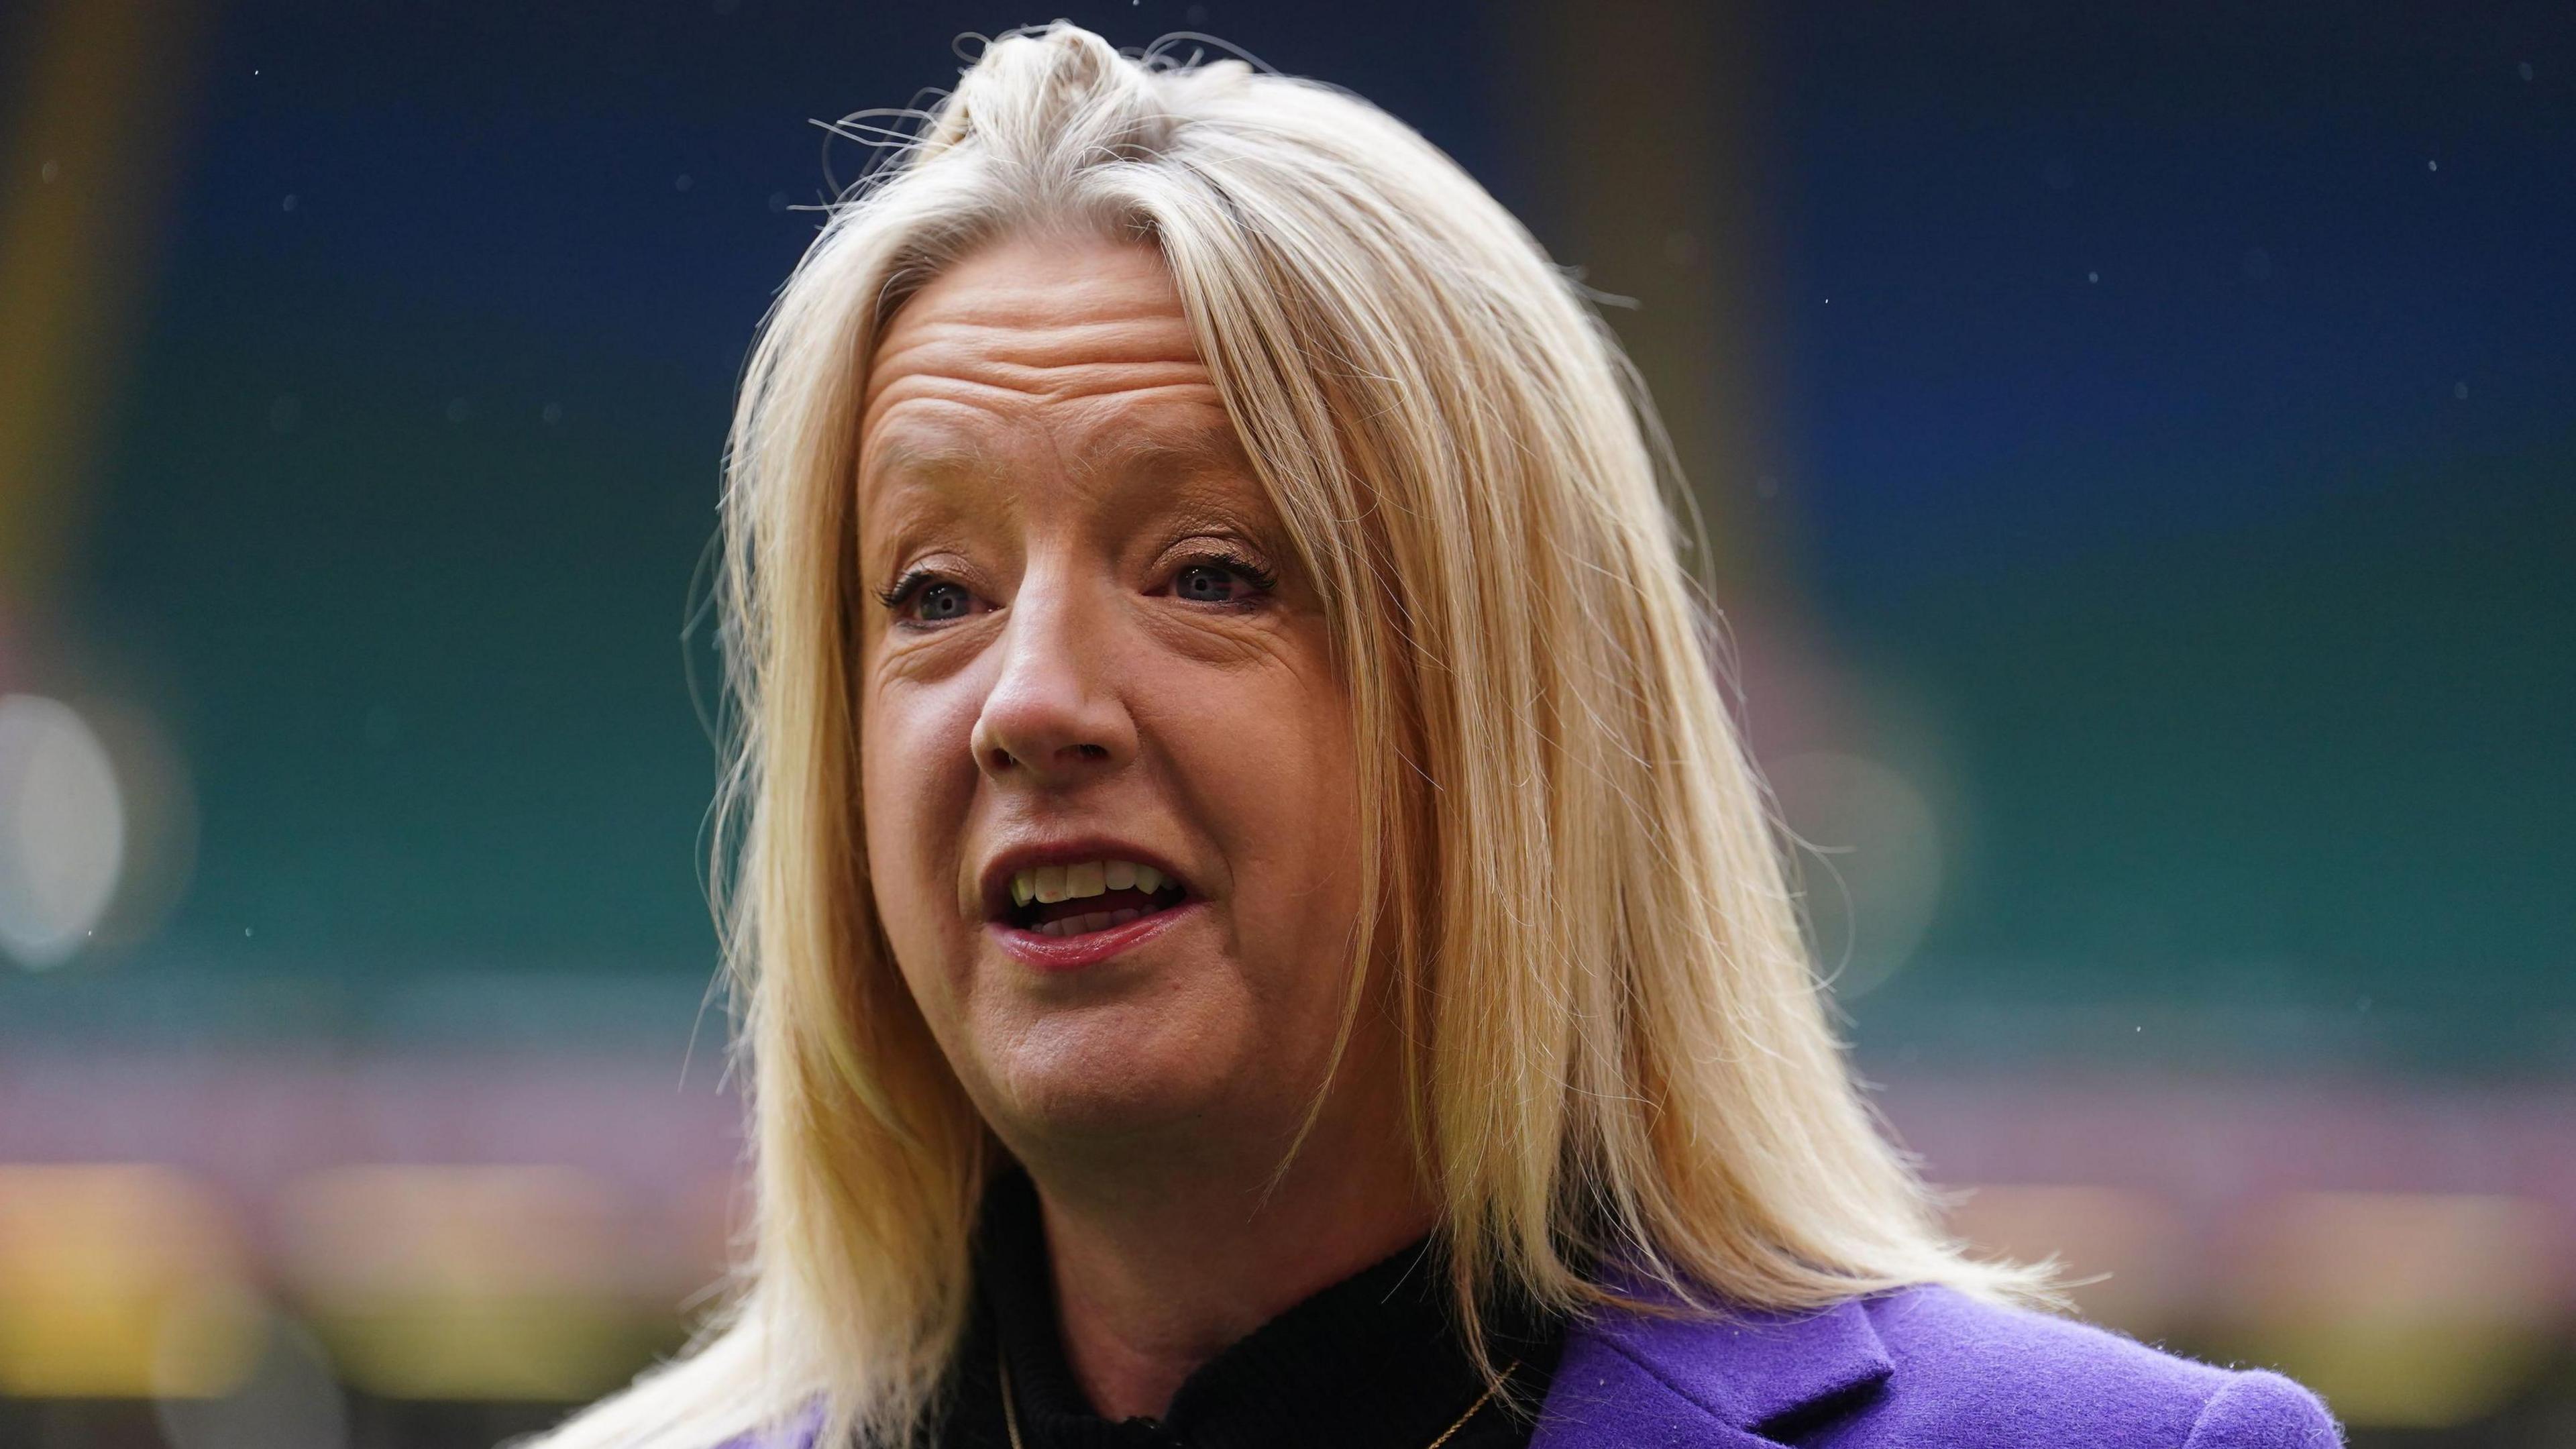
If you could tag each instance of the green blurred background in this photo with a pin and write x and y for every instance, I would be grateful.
(2139, 461)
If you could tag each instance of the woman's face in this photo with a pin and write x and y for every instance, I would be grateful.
(1109, 786)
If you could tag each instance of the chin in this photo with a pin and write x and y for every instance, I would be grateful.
(1113, 1071)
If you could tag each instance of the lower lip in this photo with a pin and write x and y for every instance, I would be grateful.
(1042, 952)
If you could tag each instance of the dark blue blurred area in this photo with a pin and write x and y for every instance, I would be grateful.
(2183, 403)
(2173, 402)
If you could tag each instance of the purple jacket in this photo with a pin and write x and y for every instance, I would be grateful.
(1919, 1368)
(1922, 1368)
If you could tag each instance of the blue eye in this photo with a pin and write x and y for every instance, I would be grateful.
(922, 597)
(1207, 584)
(937, 602)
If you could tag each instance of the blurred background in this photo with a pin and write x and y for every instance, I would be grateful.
(2139, 458)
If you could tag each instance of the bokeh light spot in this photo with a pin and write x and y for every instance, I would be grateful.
(62, 830)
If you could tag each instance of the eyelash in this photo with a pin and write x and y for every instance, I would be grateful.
(1262, 580)
(903, 590)
(900, 592)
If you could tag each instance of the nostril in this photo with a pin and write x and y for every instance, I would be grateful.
(1095, 752)
(1002, 760)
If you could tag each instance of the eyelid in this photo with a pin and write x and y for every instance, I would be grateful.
(1229, 548)
(925, 568)
(912, 581)
(907, 584)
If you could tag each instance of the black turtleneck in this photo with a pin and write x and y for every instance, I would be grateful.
(1373, 1362)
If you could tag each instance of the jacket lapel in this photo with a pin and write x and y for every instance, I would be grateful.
(1629, 1378)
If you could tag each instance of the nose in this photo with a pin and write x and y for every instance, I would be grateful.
(1053, 718)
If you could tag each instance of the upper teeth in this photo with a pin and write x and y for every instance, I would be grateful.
(1051, 883)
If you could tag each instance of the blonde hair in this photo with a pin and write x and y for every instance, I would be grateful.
(1616, 1047)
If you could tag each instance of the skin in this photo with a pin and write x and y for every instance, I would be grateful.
(1088, 650)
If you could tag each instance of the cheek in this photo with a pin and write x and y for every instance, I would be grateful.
(916, 773)
(1277, 781)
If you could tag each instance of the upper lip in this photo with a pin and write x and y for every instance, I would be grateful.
(995, 881)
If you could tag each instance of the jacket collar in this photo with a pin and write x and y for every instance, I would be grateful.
(1629, 1377)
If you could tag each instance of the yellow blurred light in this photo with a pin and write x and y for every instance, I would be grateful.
(470, 1282)
(2417, 1310)
(120, 1281)
(2123, 1253)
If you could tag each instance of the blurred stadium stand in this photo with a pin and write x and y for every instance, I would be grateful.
(2141, 477)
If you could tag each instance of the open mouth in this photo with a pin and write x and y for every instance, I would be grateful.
(1087, 896)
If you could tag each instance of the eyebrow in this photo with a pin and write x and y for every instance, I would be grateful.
(928, 457)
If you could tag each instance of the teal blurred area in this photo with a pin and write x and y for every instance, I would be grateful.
(2140, 475)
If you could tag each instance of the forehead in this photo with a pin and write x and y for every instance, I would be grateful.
(1036, 320)
(1073, 347)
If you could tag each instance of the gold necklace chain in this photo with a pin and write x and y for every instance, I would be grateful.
(1011, 1412)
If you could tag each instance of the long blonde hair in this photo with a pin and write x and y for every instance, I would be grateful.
(1616, 1047)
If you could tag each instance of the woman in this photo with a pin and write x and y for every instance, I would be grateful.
(1256, 926)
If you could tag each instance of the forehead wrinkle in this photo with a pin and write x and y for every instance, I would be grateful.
(969, 376)
(1139, 334)
(1046, 360)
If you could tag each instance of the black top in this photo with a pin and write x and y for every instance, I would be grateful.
(1372, 1362)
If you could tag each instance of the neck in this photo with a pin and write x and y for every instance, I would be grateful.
(1163, 1262)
